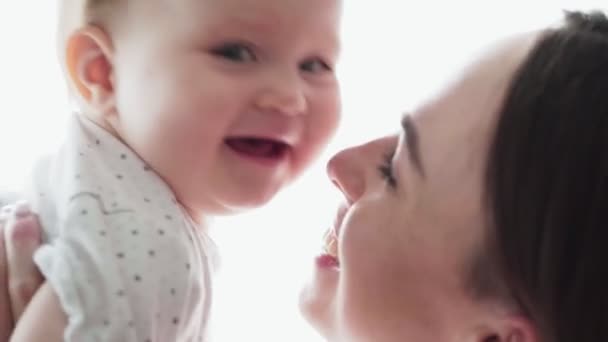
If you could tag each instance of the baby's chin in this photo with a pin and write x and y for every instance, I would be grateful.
(242, 205)
(226, 204)
(233, 192)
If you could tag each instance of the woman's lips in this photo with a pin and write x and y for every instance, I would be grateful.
(330, 240)
(327, 261)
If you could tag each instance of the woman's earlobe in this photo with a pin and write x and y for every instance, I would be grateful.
(506, 327)
(518, 329)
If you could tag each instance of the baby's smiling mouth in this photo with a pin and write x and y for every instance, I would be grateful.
(258, 147)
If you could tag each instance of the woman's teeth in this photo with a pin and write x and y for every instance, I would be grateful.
(330, 245)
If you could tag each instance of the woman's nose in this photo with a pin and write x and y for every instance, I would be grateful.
(345, 170)
(353, 170)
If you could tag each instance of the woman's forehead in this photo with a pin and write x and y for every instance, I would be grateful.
(477, 92)
(457, 126)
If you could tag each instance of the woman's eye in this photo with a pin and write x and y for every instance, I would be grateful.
(235, 52)
(315, 66)
(386, 169)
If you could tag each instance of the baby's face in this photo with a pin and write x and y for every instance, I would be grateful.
(228, 100)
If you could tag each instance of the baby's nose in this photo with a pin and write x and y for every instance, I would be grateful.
(284, 94)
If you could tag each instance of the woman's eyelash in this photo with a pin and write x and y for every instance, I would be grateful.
(386, 169)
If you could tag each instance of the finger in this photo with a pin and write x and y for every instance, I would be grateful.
(22, 238)
(5, 212)
(6, 318)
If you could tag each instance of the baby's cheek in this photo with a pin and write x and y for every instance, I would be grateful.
(328, 116)
(326, 124)
(317, 136)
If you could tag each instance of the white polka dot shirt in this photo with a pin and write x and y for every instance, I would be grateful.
(124, 258)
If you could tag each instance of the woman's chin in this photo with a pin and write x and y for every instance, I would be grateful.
(316, 312)
(317, 297)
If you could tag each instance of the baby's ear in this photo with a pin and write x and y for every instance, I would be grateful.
(88, 61)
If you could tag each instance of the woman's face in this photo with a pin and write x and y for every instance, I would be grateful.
(413, 218)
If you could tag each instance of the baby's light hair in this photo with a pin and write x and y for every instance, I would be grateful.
(74, 14)
(97, 11)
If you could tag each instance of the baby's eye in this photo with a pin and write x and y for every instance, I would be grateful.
(315, 65)
(236, 52)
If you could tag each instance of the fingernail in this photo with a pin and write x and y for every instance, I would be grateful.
(22, 209)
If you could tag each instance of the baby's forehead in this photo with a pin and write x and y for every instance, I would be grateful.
(266, 9)
(315, 21)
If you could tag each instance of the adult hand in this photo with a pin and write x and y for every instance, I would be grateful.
(20, 236)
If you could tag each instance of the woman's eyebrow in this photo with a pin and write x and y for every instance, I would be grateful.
(410, 131)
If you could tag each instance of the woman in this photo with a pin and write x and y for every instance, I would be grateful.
(486, 218)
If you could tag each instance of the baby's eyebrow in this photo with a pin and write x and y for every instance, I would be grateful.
(410, 131)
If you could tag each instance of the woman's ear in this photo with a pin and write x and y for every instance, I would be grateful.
(88, 61)
(512, 329)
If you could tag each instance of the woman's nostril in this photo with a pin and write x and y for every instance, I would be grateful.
(336, 184)
(341, 186)
(346, 173)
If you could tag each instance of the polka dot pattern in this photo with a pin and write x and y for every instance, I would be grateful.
(116, 240)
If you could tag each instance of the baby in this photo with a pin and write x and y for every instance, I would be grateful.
(187, 109)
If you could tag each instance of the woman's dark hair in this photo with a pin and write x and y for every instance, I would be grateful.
(547, 184)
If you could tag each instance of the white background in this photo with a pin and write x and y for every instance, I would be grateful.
(394, 53)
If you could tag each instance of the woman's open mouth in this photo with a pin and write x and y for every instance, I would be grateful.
(329, 257)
